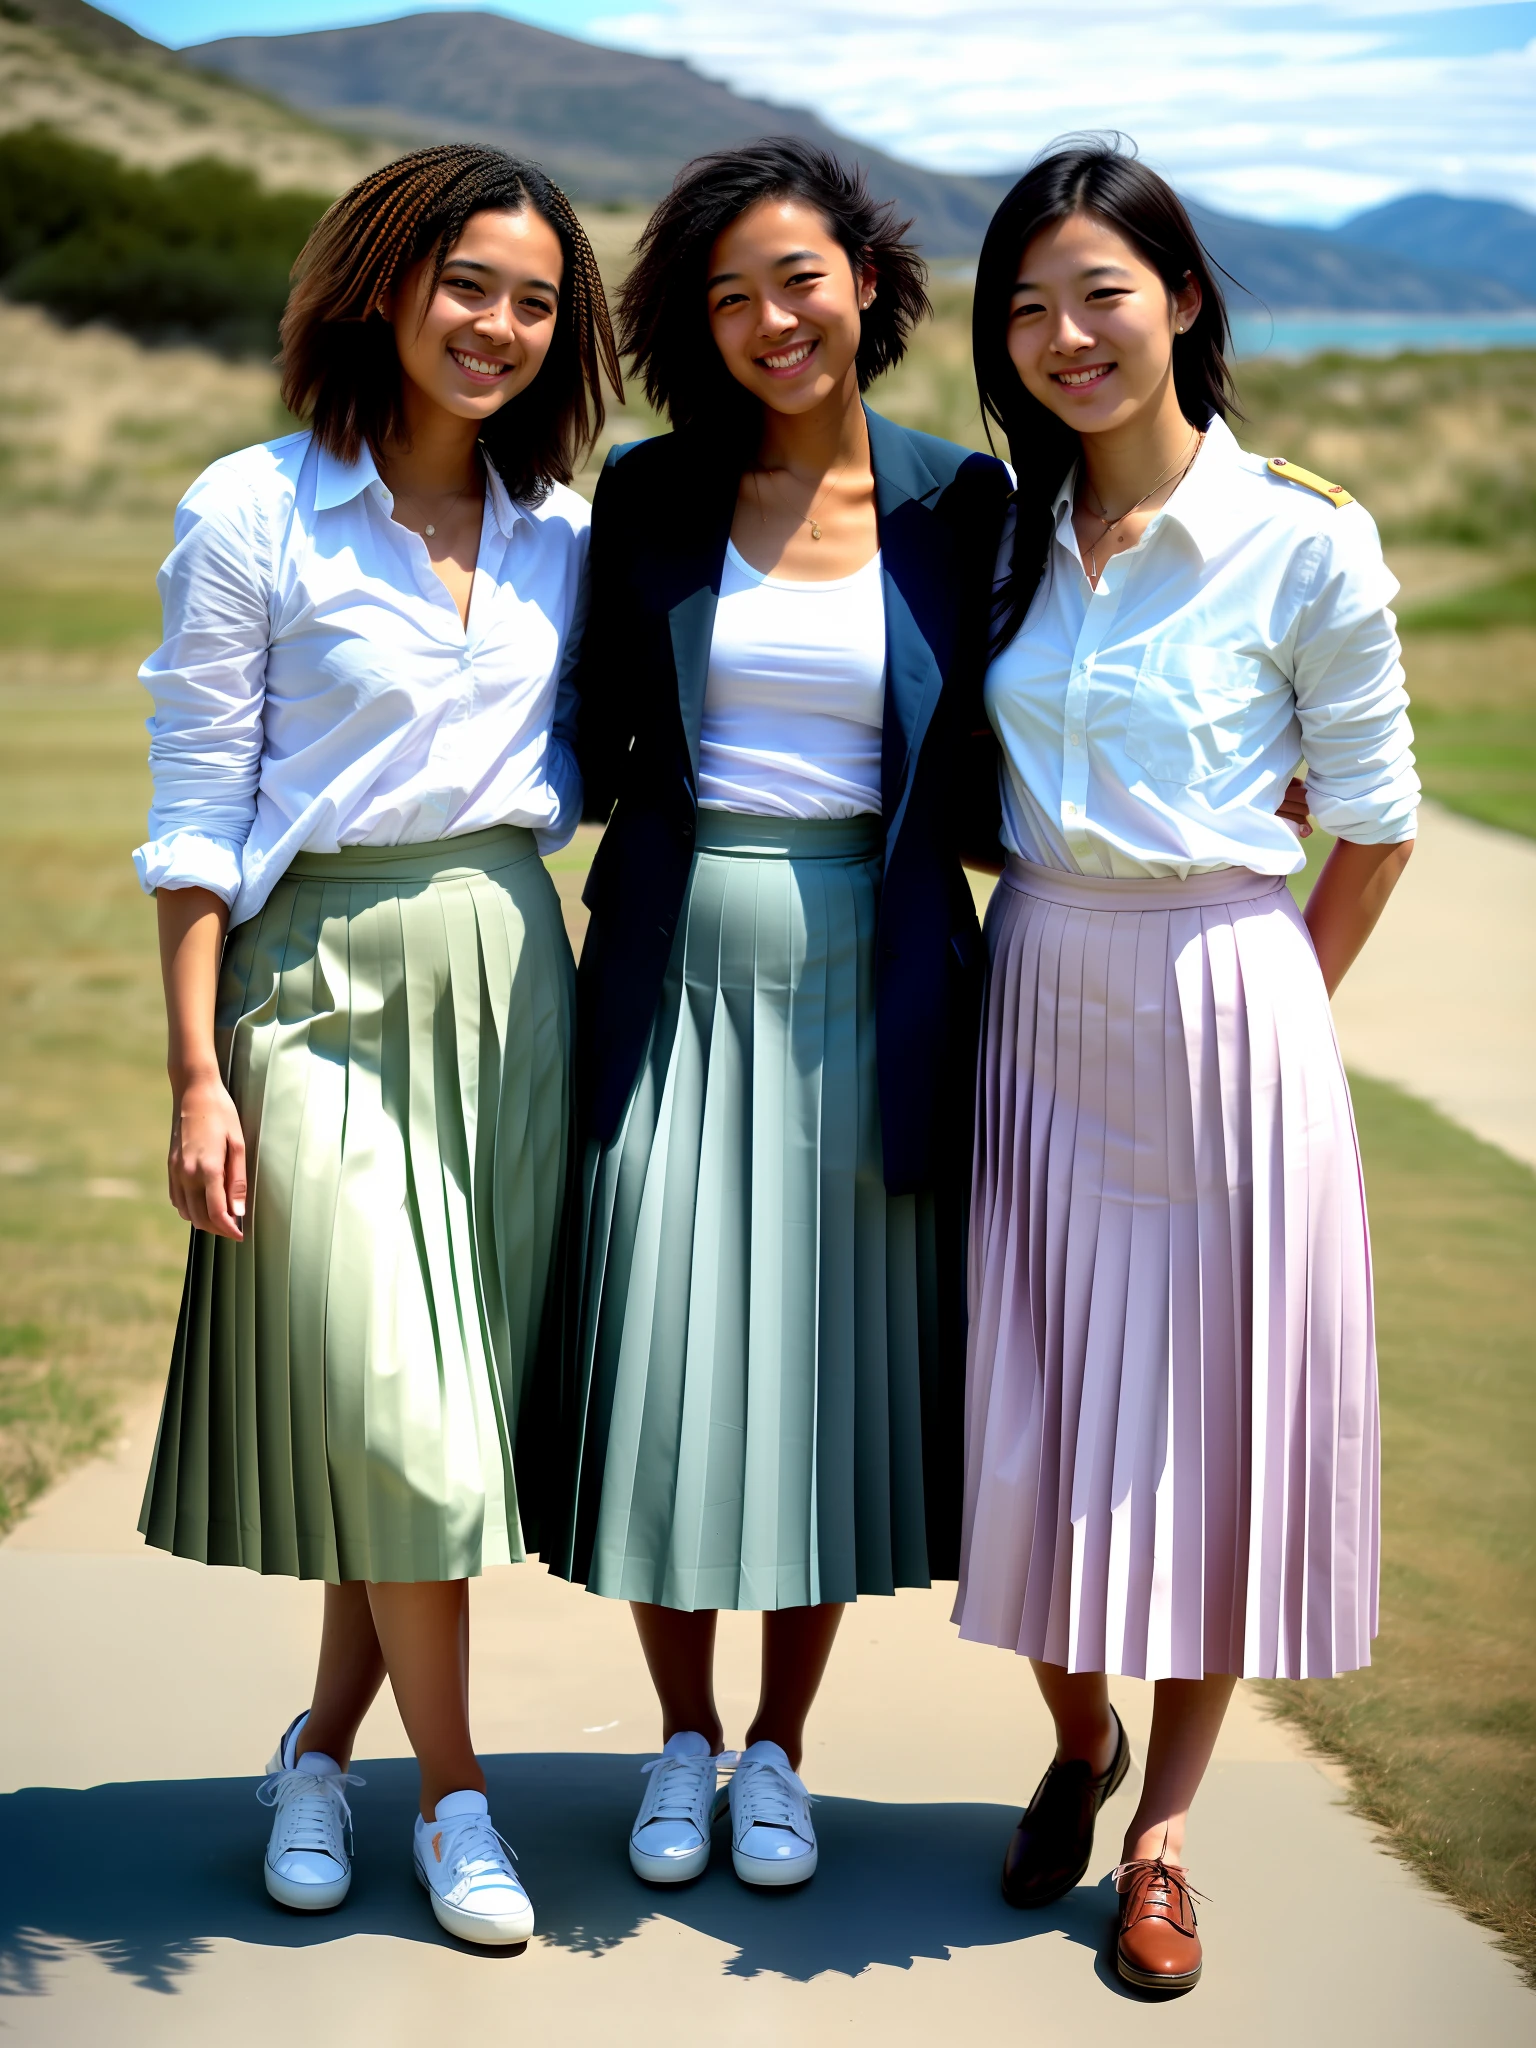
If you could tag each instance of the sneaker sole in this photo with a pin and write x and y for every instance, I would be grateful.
(755, 1871)
(483, 1929)
(669, 1869)
(306, 1898)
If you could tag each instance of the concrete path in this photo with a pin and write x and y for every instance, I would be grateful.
(1443, 999)
(140, 1697)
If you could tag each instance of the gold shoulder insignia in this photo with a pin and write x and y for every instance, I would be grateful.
(1334, 493)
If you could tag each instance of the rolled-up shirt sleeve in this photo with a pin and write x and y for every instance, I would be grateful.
(1350, 693)
(208, 683)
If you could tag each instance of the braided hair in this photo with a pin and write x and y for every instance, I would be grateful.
(340, 370)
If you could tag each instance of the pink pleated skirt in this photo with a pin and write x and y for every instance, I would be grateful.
(1172, 1441)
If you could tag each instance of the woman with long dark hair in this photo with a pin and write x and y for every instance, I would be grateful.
(357, 757)
(780, 985)
(1171, 1450)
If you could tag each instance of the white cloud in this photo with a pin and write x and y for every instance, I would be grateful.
(1307, 111)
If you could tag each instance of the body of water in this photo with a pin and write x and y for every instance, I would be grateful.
(1292, 335)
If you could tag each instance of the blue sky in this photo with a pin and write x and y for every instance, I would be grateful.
(1299, 112)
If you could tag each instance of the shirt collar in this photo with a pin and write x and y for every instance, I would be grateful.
(1201, 505)
(338, 483)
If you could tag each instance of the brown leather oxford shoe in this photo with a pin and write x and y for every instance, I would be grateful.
(1053, 1841)
(1158, 1948)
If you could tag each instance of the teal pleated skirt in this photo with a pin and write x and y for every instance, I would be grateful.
(395, 1026)
(755, 1322)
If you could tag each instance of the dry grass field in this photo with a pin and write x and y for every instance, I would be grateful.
(154, 113)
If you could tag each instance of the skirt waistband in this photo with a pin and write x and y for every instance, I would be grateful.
(759, 838)
(1153, 892)
(425, 860)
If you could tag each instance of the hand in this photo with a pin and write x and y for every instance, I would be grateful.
(206, 1166)
(1293, 808)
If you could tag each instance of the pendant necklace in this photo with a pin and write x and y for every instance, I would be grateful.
(809, 518)
(1108, 525)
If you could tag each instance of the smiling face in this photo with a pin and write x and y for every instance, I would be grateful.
(784, 305)
(1091, 327)
(481, 336)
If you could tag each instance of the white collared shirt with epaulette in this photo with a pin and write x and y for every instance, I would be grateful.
(1150, 726)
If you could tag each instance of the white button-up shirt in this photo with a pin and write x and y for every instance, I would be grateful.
(316, 689)
(1150, 726)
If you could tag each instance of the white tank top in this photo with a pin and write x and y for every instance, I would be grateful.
(795, 699)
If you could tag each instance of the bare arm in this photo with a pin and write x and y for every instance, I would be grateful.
(206, 1165)
(1349, 895)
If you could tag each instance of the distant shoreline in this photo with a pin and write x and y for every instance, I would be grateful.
(1293, 336)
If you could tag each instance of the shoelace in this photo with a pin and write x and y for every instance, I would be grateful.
(1166, 1880)
(769, 1795)
(666, 1797)
(471, 1850)
(313, 1808)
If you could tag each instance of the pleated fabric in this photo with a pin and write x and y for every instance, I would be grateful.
(757, 1327)
(1171, 1435)
(395, 1026)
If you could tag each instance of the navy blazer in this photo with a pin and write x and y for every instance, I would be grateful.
(660, 523)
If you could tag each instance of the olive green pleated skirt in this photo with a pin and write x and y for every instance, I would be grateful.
(395, 1025)
(755, 1322)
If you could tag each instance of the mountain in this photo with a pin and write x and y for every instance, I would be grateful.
(1295, 270)
(95, 81)
(609, 125)
(1485, 235)
(614, 126)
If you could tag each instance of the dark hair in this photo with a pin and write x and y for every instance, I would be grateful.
(1097, 175)
(340, 368)
(663, 313)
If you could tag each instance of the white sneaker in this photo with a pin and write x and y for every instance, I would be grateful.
(669, 1842)
(467, 1870)
(772, 1840)
(307, 1865)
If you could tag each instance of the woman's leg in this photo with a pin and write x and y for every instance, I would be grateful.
(1186, 1719)
(797, 1641)
(423, 1633)
(350, 1672)
(680, 1655)
(1079, 1704)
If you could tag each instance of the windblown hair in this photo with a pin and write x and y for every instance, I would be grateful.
(1101, 176)
(340, 369)
(663, 308)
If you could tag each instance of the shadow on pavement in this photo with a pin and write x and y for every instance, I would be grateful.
(148, 1875)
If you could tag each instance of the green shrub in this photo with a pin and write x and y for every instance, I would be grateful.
(196, 253)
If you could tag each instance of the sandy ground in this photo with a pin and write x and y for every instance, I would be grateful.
(134, 1914)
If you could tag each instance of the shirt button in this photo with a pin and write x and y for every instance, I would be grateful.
(1074, 739)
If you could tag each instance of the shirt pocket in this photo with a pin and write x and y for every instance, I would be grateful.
(1188, 711)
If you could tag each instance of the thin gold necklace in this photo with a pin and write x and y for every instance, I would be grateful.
(814, 524)
(1108, 525)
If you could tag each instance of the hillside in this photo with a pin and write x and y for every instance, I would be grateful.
(612, 125)
(1294, 270)
(96, 81)
(609, 125)
(1485, 235)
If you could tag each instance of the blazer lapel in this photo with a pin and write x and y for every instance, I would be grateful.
(919, 625)
(693, 592)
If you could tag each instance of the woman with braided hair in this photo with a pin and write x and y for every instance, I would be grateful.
(359, 749)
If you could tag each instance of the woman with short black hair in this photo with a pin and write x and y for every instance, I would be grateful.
(1172, 1440)
(780, 982)
(357, 757)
